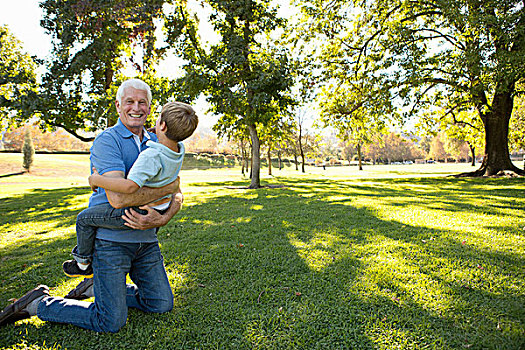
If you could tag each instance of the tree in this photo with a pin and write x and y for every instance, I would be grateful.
(94, 42)
(467, 128)
(456, 148)
(437, 148)
(246, 75)
(28, 150)
(355, 117)
(17, 72)
(348, 150)
(455, 55)
(300, 137)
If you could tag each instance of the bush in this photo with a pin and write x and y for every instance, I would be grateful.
(28, 150)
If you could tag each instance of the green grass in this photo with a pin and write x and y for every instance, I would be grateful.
(390, 258)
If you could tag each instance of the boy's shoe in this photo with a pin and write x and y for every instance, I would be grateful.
(17, 310)
(82, 291)
(71, 269)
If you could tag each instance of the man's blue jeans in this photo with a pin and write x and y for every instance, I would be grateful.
(88, 220)
(111, 262)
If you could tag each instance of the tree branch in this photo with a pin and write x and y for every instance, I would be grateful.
(72, 132)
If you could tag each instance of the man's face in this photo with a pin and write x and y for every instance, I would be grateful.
(133, 109)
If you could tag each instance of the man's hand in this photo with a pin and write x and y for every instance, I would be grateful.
(144, 222)
(93, 187)
(152, 219)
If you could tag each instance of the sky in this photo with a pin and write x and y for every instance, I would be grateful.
(23, 19)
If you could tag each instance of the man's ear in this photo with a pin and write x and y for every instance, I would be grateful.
(117, 105)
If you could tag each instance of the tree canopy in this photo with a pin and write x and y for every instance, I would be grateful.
(245, 75)
(449, 55)
(17, 71)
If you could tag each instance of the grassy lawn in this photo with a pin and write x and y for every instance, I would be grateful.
(394, 257)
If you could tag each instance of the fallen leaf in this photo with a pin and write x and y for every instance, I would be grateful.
(298, 294)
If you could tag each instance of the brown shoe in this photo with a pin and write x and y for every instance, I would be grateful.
(16, 311)
(81, 292)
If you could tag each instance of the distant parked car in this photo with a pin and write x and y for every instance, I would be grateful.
(409, 162)
(430, 161)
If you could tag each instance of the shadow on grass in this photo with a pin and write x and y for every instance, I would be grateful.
(294, 268)
(12, 174)
(46, 206)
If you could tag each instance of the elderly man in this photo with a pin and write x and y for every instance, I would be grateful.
(135, 252)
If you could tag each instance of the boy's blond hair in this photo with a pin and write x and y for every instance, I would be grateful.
(181, 120)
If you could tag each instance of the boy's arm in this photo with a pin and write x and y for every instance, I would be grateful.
(115, 184)
(153, 219)
(143, 196)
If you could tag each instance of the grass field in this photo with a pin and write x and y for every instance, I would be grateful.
(393, 257)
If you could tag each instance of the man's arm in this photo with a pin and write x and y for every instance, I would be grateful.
(153, 219)
(143, 196)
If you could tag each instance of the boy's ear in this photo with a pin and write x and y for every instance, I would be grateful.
(163, 126)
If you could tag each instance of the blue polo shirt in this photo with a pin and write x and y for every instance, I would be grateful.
(116, 150)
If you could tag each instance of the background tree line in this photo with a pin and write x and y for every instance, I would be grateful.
(455, 68)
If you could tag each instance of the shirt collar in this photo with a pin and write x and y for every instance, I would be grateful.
(124, 132)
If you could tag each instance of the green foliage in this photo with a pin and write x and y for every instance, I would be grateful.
(93, 42)
(28, 150)
(425, 56)
(517, 125)
(246, 75)
(17, 72)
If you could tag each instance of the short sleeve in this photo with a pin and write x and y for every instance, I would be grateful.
(106, 154)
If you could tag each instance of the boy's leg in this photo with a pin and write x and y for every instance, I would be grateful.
(103, 215)
(88, 220)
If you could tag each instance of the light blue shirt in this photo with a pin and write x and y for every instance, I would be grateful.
(157, 166)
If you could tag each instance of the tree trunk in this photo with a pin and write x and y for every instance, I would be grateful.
(269, 155)
(248, 162)
(280, 159)
(473, 154)
(301, 146)
(296, 160)
(359, 156)
(243, 157)
(256, 157)
(302, 162)
(496, 122)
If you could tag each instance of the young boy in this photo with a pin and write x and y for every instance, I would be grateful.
(156, 166)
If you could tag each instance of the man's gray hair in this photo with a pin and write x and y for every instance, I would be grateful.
(136, 84)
